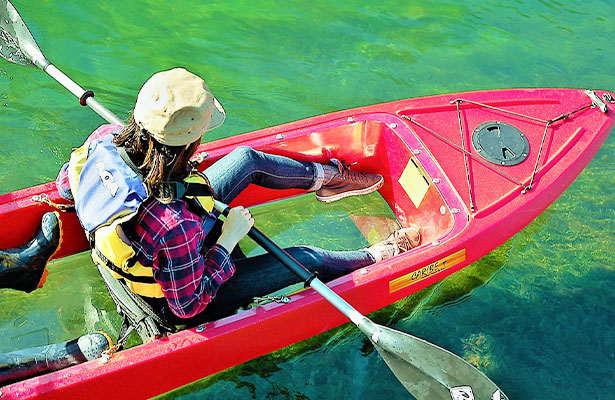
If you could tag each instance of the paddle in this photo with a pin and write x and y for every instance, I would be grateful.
(18, 46)
(426, 370)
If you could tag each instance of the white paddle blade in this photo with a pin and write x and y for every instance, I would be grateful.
(430, 372)
(16, 42)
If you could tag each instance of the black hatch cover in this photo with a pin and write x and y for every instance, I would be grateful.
(500, 143)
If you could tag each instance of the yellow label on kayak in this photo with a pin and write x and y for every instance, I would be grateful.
(427, 271)
(414, 183)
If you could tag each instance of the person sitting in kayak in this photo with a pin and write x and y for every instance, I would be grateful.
(170, 248)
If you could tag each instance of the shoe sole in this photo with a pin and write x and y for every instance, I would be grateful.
(367, 190)
(418, 236)
(45, 273)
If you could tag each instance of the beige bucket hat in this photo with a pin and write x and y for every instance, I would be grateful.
(177, 108)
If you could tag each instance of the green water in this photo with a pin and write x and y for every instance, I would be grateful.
(535, 315)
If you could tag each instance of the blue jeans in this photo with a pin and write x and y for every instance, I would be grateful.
(261, 275)
(230, 175)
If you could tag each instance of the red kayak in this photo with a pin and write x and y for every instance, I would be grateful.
(470, 169)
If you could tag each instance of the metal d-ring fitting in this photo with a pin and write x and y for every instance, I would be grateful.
(43, 198)
(200, 157)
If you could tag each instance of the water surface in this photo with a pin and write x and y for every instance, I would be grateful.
(535, 315)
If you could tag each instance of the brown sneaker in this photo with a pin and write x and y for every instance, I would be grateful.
(399, 242)
(348, 183)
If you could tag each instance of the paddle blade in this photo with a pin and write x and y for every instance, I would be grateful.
(16, 42)
(427, 371)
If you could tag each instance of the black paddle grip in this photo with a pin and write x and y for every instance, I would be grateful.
(295, 266)
(280, 254)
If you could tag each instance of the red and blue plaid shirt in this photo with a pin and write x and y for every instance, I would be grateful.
(169, 238)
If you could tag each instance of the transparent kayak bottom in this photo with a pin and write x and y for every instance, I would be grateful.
(75, 301)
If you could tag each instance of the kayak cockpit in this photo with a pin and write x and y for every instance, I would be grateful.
(416, 191)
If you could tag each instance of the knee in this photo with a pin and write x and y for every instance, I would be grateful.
(245, 154)
(248, 158)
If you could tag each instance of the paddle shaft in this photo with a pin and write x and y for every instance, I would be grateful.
(18, 46)
(30, 54)
(298, 269)
(85, 97)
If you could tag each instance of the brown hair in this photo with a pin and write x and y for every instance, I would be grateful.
(159, 163)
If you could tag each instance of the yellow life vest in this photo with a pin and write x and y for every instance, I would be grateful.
(110, 246)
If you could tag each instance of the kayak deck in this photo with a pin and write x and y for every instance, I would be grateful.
(436, 177)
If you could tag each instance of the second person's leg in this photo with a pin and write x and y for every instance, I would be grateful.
(261, 275)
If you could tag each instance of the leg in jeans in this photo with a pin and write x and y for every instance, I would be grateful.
(234, 172)
(262, 275)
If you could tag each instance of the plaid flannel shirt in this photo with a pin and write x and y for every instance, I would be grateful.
(169, 238)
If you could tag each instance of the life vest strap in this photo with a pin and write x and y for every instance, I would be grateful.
(131, 262)
(134, 309)
(183, 189)
(121, 150)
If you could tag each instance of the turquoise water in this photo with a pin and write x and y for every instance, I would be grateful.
(535, 315)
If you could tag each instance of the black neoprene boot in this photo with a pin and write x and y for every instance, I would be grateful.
(23, 268)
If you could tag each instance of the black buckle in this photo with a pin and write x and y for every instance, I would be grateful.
(170, 190)
(178, 189)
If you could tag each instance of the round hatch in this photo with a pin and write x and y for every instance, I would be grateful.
(500, 143)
